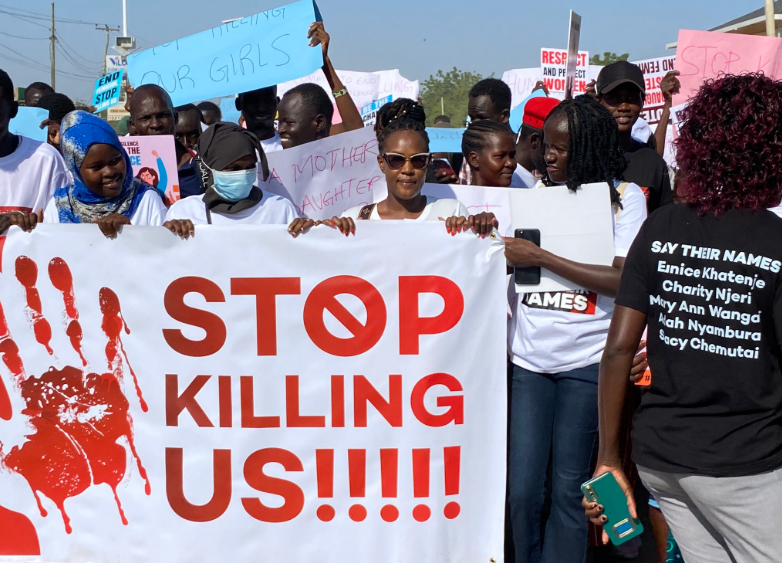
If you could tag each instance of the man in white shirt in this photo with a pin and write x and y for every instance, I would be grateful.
(30, 171)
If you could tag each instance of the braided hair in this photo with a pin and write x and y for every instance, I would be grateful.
(477, 135)
(401, 124)
(594, 152)
(403, 107)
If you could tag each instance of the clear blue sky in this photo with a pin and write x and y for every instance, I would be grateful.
(417, 36)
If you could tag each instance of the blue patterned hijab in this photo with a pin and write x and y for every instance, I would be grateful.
(76, 203)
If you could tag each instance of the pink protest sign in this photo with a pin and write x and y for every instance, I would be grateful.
(154, 161)
(701, 55)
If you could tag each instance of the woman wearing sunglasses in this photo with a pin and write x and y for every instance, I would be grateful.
(404, 160)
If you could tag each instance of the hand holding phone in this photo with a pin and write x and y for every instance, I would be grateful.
(531, 274)
(620, 526)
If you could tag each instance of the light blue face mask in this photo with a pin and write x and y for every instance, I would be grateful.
(235, 185)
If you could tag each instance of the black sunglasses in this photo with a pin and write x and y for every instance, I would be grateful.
(397, 161)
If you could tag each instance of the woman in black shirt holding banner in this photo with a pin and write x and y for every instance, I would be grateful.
(707, 277)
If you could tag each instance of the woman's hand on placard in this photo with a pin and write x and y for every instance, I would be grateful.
(345, 225)
(110, 224)
(318, 36)
(183, 228)
(522, 253)
(25, 221)
(301, 225)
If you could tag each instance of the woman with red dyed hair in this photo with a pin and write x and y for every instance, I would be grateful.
(706, 276)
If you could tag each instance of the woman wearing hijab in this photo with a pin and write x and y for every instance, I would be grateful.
(103, 189)
(228, 165)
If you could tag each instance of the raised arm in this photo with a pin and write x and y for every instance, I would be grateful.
(670, 85)
(351, 117)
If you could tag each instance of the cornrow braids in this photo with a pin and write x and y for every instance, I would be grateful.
(398, 109)
(477, 135)
(594, 152)
(401, 124)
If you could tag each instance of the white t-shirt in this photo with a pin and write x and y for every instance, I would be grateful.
(29, 176)
(271, 210)
(151, 211)
(523, 178)
(562, 331)
(272, 144)
(434, 210)
(641, 130)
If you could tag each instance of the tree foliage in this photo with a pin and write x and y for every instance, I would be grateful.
(453, 88)
(608, 58)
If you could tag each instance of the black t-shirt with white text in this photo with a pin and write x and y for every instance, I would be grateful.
(711, 288)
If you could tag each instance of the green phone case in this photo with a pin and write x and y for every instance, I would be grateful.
(604, 490)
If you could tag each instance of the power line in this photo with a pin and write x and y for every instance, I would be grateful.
(73, 51)
(24, 19)
(76, 64)
(38, 16)
(3, 33)
(41, 67)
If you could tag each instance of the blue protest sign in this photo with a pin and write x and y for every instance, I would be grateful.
(229, 111)
(107, 90)
(445, 140)
(253, 52)
(28, 123)
(517, 113)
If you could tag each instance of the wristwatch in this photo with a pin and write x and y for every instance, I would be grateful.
(340, 93)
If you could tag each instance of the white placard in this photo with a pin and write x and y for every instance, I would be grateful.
(574, 225)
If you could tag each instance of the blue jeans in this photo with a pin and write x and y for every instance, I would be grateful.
(553, 419)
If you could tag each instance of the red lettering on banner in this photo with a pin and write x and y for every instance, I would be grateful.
(411, 325)
(293, 418)
(209, 322)
(258, 480)
(337, 401)
(266, 291)
(454, 403)
(224, 395)
(176, 403)
(323, 298)
(364, 392)
(247, 398)
(221, 495)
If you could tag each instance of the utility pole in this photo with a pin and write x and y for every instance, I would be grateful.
(107, 29)
(51, 47)
(124, 18)
(771, 30)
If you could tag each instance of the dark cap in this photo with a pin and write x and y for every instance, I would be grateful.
(618, 73)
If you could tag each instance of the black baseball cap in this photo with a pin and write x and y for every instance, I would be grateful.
(618, 73)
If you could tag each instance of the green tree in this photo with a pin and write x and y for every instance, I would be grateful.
(453, 88)
(608, 58)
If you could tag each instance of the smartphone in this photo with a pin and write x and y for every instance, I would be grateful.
(604, 490)
(530, 275)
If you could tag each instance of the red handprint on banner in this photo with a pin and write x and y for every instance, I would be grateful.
(79, 420)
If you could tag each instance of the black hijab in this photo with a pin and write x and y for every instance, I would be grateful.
(219, 146)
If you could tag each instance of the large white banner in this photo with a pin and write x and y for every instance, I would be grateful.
(247, 396)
